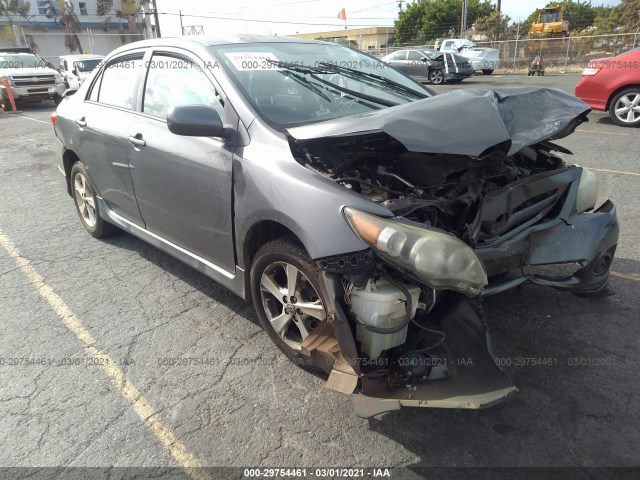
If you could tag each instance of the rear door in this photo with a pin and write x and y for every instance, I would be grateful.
(183, 184)
(103, 124)
(416, 65)
(399, 61)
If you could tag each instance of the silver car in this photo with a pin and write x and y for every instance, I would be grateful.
(339, 197)
(432, 66)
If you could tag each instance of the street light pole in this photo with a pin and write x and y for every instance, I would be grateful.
(155, 16)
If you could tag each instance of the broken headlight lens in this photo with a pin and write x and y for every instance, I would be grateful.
(587, 191)
(440, 260)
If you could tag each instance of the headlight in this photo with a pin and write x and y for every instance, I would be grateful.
(587, 191)
(440, 260)
(2, 79)
(58, 78)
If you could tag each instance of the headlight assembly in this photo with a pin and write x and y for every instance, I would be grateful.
(587, 191)
(440, 260)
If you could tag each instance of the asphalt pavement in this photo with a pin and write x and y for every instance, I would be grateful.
(113, 353)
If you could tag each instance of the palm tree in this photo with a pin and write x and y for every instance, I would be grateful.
(62, 12)
(125, 10)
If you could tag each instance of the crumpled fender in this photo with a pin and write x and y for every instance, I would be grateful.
(465, 122)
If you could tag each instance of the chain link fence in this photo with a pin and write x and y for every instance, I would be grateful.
(51, 45)
(562, 54)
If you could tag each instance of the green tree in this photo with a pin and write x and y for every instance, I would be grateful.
(495, 25)
(580, 13)
(430, 19)
(13, 7)
(625, 15)
(62, 12)
(125, 10)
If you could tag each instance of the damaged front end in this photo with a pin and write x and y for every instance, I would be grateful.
(479, 202)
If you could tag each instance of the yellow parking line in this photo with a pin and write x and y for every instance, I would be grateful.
(125, 387)
(622, 172)
(604, 133)
(634, 278)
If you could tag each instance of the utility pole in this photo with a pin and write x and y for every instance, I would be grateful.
(181, 27)
(463, 20)
(155, 16)
(499, 5)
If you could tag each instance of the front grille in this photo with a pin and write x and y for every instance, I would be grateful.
(33, 80)
(520, 205)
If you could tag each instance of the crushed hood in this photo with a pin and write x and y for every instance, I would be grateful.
(465, 122)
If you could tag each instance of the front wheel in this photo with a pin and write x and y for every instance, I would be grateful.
(6, 104)
(87, 204)
(487, 71)
(57, 99)
(436, 77)
(624, 109)
(285, 292)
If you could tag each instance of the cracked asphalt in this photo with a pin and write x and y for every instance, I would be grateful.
(246, 406)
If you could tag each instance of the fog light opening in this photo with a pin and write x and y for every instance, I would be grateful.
(603, 264)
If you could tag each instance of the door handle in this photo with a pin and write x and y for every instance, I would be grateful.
(82, 122)
(137, 140)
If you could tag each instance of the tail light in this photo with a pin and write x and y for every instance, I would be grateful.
(53, 118)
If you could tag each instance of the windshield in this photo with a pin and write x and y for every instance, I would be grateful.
(20, 61)
(87, 65)
(292, 84)
(549, 17)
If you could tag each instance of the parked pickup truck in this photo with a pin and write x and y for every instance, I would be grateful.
(29, 77)
(480, 58)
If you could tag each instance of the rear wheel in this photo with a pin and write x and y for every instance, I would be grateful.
(87, 204)
(487, 71)
(436, 77)
(285, 292)
(624, 108)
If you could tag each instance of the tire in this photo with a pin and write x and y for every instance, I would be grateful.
(487, 71)
(529, 74)
(86, 203)
(6, 104)
(436, 77)
(57, 99)
(275, 263)
(624, 108)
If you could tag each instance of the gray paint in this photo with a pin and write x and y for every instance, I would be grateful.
(464, 122)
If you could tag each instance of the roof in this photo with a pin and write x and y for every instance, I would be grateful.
(87, 56)
(226, 40)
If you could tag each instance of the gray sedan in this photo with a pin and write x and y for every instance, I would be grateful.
(363, 216)
(430, 65)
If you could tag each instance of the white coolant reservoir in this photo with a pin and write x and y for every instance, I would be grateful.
(381, 305)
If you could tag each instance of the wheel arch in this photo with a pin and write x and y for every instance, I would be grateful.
(69, 158)
(259, 234)
(618, 90)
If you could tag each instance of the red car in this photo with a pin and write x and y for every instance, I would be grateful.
(613, 85)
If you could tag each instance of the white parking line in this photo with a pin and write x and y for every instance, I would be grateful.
(25, 117)
(121, 382)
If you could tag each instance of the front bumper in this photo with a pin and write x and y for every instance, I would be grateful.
(35, 93)
(584, 243)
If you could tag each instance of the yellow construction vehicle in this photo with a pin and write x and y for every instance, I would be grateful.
(552, 22)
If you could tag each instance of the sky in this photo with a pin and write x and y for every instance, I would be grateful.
(285, 17)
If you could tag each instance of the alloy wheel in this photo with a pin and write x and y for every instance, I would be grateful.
(291, 303)
(627, 108)
(85, 200)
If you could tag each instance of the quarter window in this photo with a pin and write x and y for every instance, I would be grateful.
(173, 81)
(401, 55)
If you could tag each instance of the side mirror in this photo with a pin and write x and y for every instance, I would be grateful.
(195, 121)
(74, 71)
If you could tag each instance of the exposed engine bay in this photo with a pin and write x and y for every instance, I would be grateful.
(437, 190)
(397, 320)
